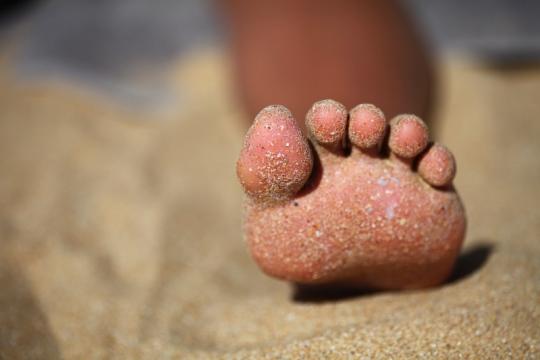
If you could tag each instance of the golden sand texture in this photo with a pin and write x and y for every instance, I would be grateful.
(121, 234)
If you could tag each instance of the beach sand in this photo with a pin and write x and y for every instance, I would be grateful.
(121, 231)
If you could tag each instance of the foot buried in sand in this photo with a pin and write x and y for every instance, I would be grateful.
(359, 218)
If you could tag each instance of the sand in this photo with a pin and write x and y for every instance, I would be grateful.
(121, 237)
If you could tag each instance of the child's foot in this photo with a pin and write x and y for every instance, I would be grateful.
(331, 214)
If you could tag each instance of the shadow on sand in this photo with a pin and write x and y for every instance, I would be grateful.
(25, 332)
(469, 262)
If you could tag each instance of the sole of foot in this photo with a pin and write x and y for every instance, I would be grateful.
(361, 203)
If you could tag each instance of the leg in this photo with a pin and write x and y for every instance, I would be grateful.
(296, 52)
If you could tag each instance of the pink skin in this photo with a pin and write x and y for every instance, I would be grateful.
(408, 137)
(367, 126)
(326, 121)
(361, 220)
(437, 166)
(276, 159)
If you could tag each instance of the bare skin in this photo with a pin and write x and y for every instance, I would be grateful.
(296, 52)
(338, 210)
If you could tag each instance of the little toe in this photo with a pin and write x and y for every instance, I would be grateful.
(367, 128)
(408, 136)
(326, 122)
(437, 166)
(276, 160)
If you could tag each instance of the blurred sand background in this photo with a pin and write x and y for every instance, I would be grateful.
(121, 233)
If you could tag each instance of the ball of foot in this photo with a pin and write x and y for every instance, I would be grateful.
(327, 214)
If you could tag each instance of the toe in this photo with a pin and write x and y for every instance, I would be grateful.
(408, 136)
(326, 122)
(437, 166)
(367, 127)
(275, 161)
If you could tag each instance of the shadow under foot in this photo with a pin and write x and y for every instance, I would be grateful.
(468, 262)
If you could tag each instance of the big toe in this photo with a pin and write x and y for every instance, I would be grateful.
(276, 160)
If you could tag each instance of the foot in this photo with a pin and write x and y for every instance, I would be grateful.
(338, 210)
